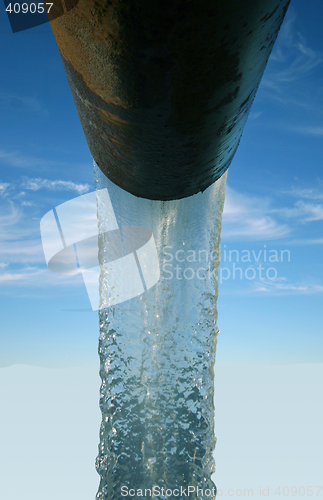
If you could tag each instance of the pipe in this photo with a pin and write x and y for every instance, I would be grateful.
(163, 88)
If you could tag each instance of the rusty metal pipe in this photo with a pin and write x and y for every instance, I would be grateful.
(163, 87)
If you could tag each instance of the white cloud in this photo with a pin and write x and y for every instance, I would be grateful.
(271, 287)
(313, 131)
(22, 250)
(248, 217)
(16, 159)
(307, 241)
(308, 193)
(38, 277)
(254, 116)
(309, 211)
(37, 184)
(18, 241)
(10, 277)
(28, 103)
(288, 76)
(3, 188)
(304, 212)
(292, 57)
(256, 218)
(10, 218)
(277, 287)
(22, 261)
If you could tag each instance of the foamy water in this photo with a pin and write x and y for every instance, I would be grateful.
(157, 351)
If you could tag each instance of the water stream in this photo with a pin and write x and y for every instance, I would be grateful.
(157, 350)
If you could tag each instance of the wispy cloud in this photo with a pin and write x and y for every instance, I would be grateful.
(307, 208)
(22, 250)
(22, 261)
(9, 217)
(311, 131)
(279, 287)
(248, 217)
(18, 241)
(304, 212)
(20, 102)
(37, 277)
(291, 57)
(4, 188)
(255, 115)
(290, 75)
(26, 161)
(28, 204)
(19, 276)
(259, 218)
(307, 241)
(15, 159)
(307, 193)
(37, 184)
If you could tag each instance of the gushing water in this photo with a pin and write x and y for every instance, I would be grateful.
(157, 352)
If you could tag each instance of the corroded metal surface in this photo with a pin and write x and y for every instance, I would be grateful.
(163, 87)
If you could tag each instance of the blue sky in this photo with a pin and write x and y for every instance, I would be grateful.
(274, 202)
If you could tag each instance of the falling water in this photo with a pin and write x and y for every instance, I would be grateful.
(157, 351)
